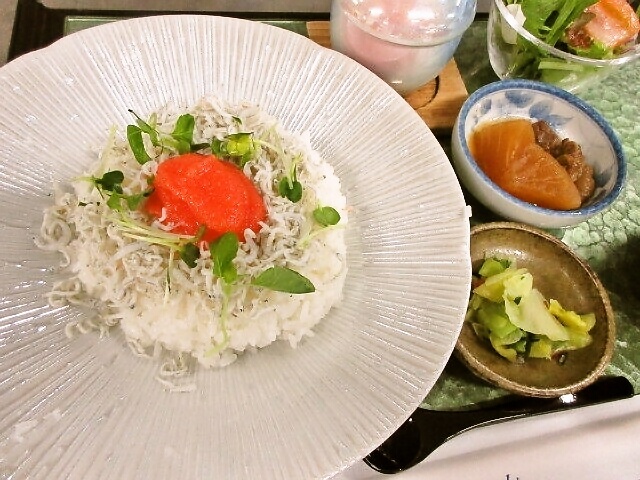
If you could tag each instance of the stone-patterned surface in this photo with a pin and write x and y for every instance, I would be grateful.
(610, 242)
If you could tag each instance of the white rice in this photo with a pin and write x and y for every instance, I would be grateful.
(126, 281)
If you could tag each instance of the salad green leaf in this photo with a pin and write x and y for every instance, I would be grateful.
(327, 217)
(132, 201)
(548, 19)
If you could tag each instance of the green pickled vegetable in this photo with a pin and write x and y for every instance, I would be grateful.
(493, 287)
(514, 317)
(541, 347)
(493, 266)
(532, 315)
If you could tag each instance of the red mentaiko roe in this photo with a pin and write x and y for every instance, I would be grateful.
(198, 190)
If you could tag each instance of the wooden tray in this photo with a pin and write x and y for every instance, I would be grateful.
(437, 103)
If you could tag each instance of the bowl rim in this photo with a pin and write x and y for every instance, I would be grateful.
(507, 383)
(631, 54)
(392, 406)
(567, 98)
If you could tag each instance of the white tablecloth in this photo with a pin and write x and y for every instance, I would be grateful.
(598, 442)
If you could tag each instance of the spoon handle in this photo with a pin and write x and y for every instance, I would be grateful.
(427, 429)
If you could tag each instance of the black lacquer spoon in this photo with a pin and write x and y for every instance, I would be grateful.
(426, 429)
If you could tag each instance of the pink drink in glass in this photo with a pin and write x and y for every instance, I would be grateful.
(405, 42)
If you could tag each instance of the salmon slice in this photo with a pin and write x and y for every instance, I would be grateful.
(615, 23)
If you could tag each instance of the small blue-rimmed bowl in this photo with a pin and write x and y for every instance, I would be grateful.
(570, 117)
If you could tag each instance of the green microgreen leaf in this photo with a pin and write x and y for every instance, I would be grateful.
(180, 139)
(184, 127)
(111, 184)
(238, 147)
(283, 279)
(217, 148)
(114, 202)
(183, 133)
(147, 127)
(110, 181)
(189, 254)
(289, 186)
(239, 144)
(134, 201)
(223, 252)
(134, 136)
(326, 216)
(290, 189)
(199, 146)
(137, 230)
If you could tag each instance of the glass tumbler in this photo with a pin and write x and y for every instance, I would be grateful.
(405, 42)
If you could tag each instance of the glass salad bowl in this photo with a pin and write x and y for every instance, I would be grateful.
(515, 52)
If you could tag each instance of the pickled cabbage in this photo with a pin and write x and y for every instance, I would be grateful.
(515, 318)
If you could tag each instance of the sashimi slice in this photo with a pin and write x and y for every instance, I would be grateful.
(615, 23)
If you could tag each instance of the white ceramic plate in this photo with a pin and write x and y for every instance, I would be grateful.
(87, 408)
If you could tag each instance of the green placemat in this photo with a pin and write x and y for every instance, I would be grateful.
(75, 23)
(610, 242)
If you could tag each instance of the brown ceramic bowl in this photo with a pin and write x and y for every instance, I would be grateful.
(558, 273)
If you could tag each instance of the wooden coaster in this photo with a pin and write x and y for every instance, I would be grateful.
(438, 102)
(319, 33)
